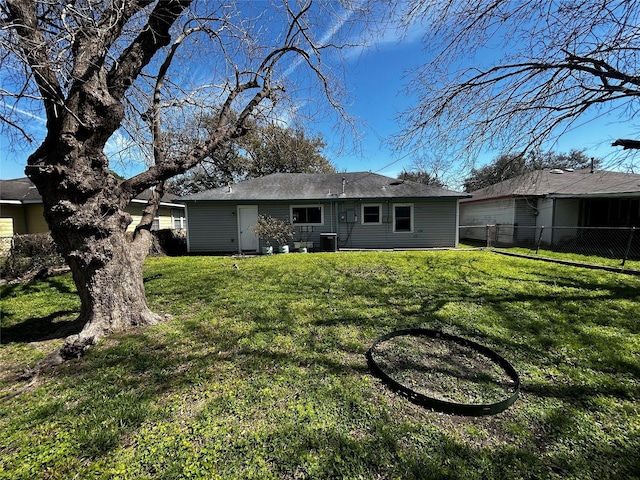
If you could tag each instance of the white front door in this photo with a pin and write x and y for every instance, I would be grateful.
(247, 220)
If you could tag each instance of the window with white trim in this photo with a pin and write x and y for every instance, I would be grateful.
(371, 214)
(403, 217)
(307, 214)
(179, 221)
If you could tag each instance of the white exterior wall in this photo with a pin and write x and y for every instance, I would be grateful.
(567, 215)
(488, 212)
(545, 218)
(558, 213)
(567, 212)
(482, 213)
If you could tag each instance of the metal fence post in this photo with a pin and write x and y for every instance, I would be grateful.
(629, 242)
(539, 239)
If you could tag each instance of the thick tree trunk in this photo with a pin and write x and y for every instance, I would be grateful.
(111, 289)
(84, 204)
(85, 213)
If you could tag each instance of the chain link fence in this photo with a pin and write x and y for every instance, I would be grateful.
(621, 243)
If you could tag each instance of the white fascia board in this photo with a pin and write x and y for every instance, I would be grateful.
(162, 204)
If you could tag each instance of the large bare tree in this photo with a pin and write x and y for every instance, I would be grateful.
(509, 76)
(135, 69)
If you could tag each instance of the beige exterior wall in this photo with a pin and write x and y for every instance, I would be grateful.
(34, 219)
(6, 227)
(164, 214)
(12, 220)
(26, 219)
(23, 219)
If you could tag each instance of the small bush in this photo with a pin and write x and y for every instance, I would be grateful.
(169, 242)
(272, 229)
(31, 252)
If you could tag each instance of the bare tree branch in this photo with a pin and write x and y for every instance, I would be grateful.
(154, 36)
(22, 15)
(561, 61)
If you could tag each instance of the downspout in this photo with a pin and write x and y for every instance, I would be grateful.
(457, 239)
(186, 220)
(553, 221)
(238, 232)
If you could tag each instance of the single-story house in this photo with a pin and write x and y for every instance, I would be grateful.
(563, 199)
(21, 209)
(328, 211)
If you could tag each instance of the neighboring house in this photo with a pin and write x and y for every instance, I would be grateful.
(346, 210)
(553, 198)
(21, 209)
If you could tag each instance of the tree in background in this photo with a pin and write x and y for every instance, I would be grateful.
(264, 150)
(420, 173)
(420, 176)
(509, 166)
(137, 69)
(561, 62)
(423, 170)
(275, 149)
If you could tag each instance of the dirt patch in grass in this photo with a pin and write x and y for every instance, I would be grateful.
(443, 369)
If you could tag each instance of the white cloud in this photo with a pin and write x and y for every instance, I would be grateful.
(25, 113)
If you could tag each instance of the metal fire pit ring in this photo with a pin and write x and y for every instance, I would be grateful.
(472, 410)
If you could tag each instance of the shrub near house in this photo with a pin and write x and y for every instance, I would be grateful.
(272, 229)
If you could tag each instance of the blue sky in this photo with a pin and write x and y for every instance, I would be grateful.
(374, 78)
(377, 78)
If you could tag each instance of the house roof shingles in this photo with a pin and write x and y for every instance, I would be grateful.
(19, 189)
(24, 191)
(578, 183)
(317, 186)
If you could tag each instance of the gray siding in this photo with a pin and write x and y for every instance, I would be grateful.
(434, 225)
(212, 228)
(525, 212)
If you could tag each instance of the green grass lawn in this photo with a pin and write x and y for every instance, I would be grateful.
(261, 373)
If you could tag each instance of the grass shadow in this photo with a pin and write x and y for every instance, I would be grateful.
(41, 329)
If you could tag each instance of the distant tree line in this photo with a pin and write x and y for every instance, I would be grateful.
(503, 167)
(509, 166)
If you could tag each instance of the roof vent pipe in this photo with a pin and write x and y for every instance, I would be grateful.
(592, 162)
(344, 181)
